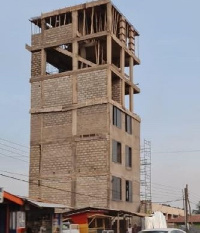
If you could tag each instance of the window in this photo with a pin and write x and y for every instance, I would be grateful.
(116, 188)
(116, 117)
(128, 156)
(129, 191)
(128, 124)
(116, 152)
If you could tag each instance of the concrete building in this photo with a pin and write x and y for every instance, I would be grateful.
(85, 136)
(169, 211)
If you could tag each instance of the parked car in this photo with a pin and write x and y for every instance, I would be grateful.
(163, 230)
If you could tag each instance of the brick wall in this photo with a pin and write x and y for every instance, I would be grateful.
(57, 125)
(51, 126)
(54, 36)
(51, 92)
(35, 94)
(56, 168)
(92, 191)
(34, 171)
(116, 90)
(92, 119)
(92, 85)
(92, 172)
(36, 128)
(36, 64)
(57, 91)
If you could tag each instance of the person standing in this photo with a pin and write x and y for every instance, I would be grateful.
(129, 230)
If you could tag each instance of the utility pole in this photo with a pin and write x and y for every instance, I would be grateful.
(186, 208)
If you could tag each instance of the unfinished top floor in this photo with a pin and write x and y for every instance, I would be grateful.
(97, 17)
(83, 36)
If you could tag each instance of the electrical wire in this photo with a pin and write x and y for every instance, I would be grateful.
(54, 188)
(1, 154)
(138, 150)
(5, 140)
(13, 148)
(163, 202)
(13, 152)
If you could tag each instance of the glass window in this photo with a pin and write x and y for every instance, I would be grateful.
(116, 152)
(116, 188)
(116, 117)
(128, 156)
(129, 191)
(128, 124)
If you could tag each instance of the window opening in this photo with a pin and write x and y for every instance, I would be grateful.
(116, 188)
(128, 156)
(116, 152)
(129, 191)
(116, 117)
(128, 124)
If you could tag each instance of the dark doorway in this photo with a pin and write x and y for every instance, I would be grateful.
(3, 219)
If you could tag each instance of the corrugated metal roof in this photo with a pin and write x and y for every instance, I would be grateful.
(111, 212)
(46, 205)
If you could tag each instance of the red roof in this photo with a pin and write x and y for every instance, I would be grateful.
(181, 219)
(13, 198)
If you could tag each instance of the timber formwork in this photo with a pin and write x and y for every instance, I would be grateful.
(82, 90)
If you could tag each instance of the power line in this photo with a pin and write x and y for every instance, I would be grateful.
(163, 202)
(173, 152)
(138, 150)
(67, 191)
(14, 173)
(176, 200)
(14, 152)
(165, 193)
(166, 185)
(1, 154)
(5, 140)
(165, 189)
(13, 147)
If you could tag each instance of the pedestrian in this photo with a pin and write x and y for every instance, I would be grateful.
(129, 230)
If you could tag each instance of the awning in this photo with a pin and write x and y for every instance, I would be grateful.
(46, 205)
(13, 198)
(111, 212)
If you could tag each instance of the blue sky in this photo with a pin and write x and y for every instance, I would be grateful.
(169, 78)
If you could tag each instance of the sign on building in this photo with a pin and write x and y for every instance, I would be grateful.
(1, 195)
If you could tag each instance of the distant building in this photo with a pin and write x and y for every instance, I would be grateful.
(168, 211)
(85, 136)
(193, 220)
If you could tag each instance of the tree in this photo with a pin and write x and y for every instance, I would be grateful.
(197, 211)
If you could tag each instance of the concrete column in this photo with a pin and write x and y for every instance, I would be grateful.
(131, 92)
(43, 62)
(131, 97)
(109, 28)
(74, 101)
(109, 17)
(122, 60)
(109, 50)
(123, 93)
(109, 84)
(122, 30)
(131, 64)
(75, 43)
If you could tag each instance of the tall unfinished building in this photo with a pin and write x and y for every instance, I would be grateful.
(85, 136)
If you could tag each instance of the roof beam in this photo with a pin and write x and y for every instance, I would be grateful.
(70, 54)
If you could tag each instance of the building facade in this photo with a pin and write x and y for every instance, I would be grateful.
(85, 136)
